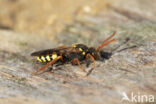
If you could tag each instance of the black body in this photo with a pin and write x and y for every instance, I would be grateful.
(78, 51)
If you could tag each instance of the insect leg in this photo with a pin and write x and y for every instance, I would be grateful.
(48, 64)
(63, 46)
(78, 62)
(92, 58)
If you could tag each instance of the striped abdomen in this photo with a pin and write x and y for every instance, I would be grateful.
(47, 58)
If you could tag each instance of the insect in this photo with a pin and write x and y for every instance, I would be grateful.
(74, 54)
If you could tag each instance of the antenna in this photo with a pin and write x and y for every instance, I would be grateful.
(106, 42)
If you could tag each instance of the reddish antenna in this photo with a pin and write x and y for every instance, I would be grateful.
(106, 42)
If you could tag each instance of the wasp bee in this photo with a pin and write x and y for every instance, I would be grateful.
(74, 54)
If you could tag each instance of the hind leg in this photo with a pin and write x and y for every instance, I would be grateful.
(45, 66)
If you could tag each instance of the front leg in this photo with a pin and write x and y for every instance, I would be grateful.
(92, 58)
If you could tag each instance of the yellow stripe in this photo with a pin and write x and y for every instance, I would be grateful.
(38, 59)
(43, 58)
(83, 53)
(54, 55)
(74, 46)
(80, 49)
(48, 58)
